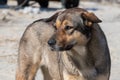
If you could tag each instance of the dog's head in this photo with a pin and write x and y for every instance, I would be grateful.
(73, 27)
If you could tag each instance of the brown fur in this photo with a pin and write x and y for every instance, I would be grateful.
(77, 48)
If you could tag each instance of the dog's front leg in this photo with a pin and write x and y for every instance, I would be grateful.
(46, 74)
(32, 71)
(68, 76)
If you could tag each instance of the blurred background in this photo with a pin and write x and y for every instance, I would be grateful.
(16, 15)
(45, 3)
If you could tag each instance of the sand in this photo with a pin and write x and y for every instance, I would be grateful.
(14, 22)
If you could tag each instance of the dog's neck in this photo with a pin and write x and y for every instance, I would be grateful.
(80, 50)
(74, 59)
(78, 55)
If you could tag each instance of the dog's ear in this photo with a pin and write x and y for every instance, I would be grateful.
(53, 18)
(90, 18)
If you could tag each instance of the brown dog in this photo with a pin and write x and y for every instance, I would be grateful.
(78, 48)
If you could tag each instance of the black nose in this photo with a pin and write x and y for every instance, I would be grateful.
(52, 42)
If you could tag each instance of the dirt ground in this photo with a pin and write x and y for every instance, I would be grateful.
(13, 23)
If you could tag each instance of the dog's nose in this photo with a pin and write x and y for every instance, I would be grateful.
(52, 42)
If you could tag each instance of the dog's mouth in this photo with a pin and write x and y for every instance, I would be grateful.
(63, 48)
(59, 48)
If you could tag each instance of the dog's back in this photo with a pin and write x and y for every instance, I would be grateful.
(34, 51)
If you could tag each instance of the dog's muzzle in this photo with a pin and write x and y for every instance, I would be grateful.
(53, 44)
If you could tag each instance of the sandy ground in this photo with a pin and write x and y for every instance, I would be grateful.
(13, 24)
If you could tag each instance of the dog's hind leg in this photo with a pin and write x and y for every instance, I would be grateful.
(22, 71)
(27, 71)
(20, 75)
(28, 62)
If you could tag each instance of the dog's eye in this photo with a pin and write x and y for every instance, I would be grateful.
(67, 27)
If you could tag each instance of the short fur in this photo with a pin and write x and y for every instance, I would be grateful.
(76, 50)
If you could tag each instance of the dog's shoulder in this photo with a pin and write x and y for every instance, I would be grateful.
(98, 44)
